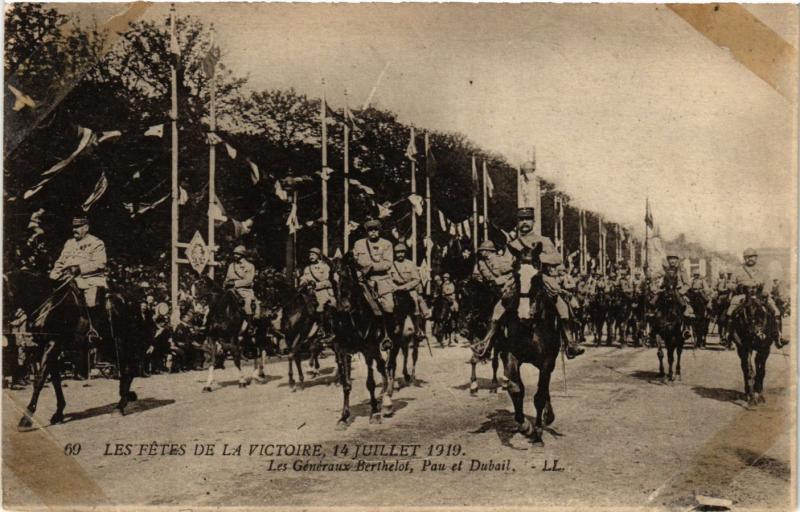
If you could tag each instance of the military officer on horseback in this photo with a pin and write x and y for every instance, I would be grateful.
(673, 273)
(405, 276)
(374, 257)
(317, 275)
(240, 276)
(532, 253)
(498, 271)
(750, 275)
(83, 259)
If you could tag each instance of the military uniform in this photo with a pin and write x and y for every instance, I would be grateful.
(405, 276)
(747, 276)
(374, 259)
(449, 293)
(240, 276)
(89, 256)
(319, 276)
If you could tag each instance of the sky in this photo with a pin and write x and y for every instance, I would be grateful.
(621, 102)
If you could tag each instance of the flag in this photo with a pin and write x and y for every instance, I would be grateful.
(21, 100)
(146, 207)
(35, 218)
(416, 202)
(656, 254)
(430, 163)
(217, 212)
(108, 135)
(467, 229)
(99, 189)
(411, 150)
(213, 138)
(424, 272)
(352, 226)
(396, 234)
(291, 221)
(338, 254)
(648, 215)
(280, 192)
(137, 175)
(384, 210)
(325, 174)
(442, 221)
(231, 151)
(255, 175)
(87, 136)
(209, 62)
(157, 130)
(350, 119)
(242, 228)
(183, 196)
(367, 190)
(487, 182)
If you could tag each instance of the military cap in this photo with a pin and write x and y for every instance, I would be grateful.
(400, 247)
(750, 252)
(161, 309)
(672, 255)
(446, 275)
(372, 223)
(79, 220)
(526, 212)
(240, 250)
(315, 250)
(487, 245)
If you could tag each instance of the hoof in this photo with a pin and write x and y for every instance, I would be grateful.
(375, 418)
(473, 387)
(525, 428)
(504, 385)
(549, 416)
(341, 425)
(25, 423)
(493, 390)
(132, 396)
(396, 385)
(678, 377)
(206, 389)
(387, 407)
(57, 418)
(761, 399)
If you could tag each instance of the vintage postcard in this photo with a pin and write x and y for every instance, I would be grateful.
(429, 256)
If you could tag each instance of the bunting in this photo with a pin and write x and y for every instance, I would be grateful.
(255, 175)
(157, 130)
(416, 203)
(411, 150)
(21, 100)
(87, 138)
(367, 190)
(99, 189)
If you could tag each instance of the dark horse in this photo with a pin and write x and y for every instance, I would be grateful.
(65, 324)
(753, 339)
(404, 339)
(702, 317)
(668, 323)
(477, 303)
(296, 324)
(357, 329)
(535, 341)
(223, 326)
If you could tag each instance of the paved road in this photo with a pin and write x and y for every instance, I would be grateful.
(621, 438)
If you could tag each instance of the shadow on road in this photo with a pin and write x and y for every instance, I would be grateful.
(482, 384)
(720, 395)
(504, 425)
(646, 375)
(141, 405)
(363, 409)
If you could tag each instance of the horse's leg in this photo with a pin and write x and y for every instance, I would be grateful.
(414, 358)
(406, 346)
(61, 403)
(744, 354)
(761, 369)
(48, 359)
(375, 412)
(516, 390)
(671, 355)
(299, 363)
(210, 381)
(386, 393)
(541, 400)
(660, 355)
(292, 384)
(679, 349)
(344, 381)
(237, 361)
(473, 378)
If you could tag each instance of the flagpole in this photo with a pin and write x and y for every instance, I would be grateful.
(581, 241)
(212, 168)
(428, 240)
(485, 203)
(474, 205)
(413, 213)
(323, 175)
(601, 251)
(346, 241)
(174, 313)
(646, 237)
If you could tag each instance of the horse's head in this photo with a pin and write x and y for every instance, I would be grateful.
(752, 317)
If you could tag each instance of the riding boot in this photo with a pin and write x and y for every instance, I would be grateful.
(573, 349)
(780, 341)
(419, 327)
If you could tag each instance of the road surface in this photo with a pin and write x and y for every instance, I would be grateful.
(621, 438)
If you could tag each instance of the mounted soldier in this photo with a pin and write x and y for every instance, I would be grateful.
(673, 273)
(750, 275)
(405, 275)
(317, 275)
(83, 259)
(532, 253)
(374, 257)
(240, 276)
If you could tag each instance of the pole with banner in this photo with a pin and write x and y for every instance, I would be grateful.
(346, 240)
(413, 144)
(212, 164)
(428, 239)
(324, 174)
(174, 313)
(474, 205)
(485, 202)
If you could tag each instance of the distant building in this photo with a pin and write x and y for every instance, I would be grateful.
(777, 261)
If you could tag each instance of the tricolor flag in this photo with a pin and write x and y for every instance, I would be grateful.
(280, 192)
(411, 150)
(416, 202)
(183, 196)
(291, 221)
(231, 151)
(209, 62)
(384, 210)
(475, 185)
(487, 181)
(442, 221)
(21, 100)
(255, 175)
(217, 212)
(430, 163)
(352, 121)
(648, 215)
(467, 228)
(157, 130)
(99, 189)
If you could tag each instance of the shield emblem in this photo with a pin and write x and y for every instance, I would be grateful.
(197, 253)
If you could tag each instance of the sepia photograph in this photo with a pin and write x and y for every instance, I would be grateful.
(271, 256)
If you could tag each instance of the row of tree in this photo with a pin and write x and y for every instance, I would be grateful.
(76, 79)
